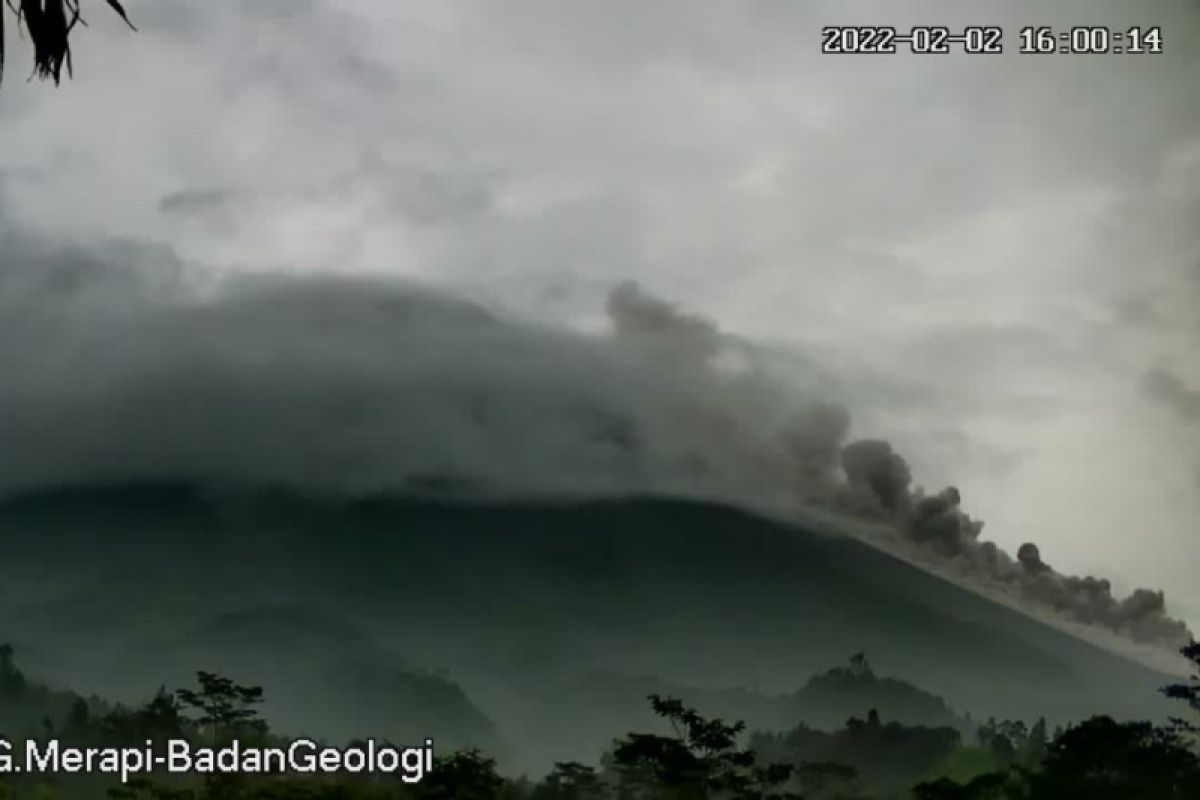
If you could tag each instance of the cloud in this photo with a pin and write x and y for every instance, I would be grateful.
(192, 200)
(954, 243)
(147, 370)
(1170, 390)
(354, 386)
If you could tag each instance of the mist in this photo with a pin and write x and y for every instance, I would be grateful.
(149, 371)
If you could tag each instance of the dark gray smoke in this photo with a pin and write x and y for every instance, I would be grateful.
(878, 482)
(876, 474)
(116, 372)
(122, 366)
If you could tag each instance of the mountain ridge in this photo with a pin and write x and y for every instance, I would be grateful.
(511, 598)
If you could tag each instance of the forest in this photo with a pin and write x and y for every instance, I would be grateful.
(692, 756)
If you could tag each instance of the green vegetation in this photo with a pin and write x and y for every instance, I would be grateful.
(694, 757)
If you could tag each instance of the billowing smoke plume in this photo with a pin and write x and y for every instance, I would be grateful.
(637, 315)
(878, 482)
(120, 366)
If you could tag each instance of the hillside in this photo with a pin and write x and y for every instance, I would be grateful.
(515, 603)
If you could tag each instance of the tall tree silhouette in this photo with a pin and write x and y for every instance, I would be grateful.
(226, 708)
(702, 760)
(50, 24)
(1188, 692)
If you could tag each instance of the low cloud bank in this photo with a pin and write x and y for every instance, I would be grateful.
(122, 366)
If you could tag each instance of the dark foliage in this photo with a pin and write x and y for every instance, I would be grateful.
(881, 753)
(1012, 741)
(1188, 692)
(12, 681)
(701, 760)
(1102, 759)
(466, 775)
(50, 24)
(992, 786)
(225, 708)
(160, 719)
(571, 780)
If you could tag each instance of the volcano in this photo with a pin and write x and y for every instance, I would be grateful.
(488, 623)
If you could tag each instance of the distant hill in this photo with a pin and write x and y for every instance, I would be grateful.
(827, 700)
(884, 754)
(333, 680)
(27, 706)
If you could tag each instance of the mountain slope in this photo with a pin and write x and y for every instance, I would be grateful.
(517, 602)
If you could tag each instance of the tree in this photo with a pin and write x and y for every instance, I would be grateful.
(859, 666)
(1007, 739)
(78, 718)
(224, 706)
(228, 710)
(1035, 745)
(12, 680)
(819, 778)
(570, 780)
(1187, 692)
(699, 761)
(145, 789)
(158, 720)
(464, 775)
(990, 786)
(49, 24)
(1102, 759)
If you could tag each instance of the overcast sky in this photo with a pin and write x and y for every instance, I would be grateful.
(996, 258)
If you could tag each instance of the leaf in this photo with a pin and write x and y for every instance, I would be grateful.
(116, 6)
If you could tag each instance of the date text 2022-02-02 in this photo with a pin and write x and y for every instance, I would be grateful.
(990, 39)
